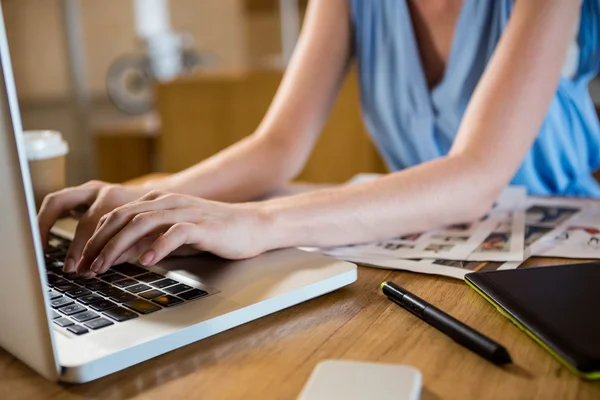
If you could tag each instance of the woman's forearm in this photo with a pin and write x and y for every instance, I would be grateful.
(442, 192)
(279, 148)
(500, 124)
(245, 171)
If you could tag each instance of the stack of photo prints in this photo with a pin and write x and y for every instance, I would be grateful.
(517, 227)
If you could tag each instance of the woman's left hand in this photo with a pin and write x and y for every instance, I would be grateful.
(159, 224)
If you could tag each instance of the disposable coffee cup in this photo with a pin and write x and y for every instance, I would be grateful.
(47, 153)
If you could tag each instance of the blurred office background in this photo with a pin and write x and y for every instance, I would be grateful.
(63, 52)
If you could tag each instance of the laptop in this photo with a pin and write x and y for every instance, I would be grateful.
(76, 330)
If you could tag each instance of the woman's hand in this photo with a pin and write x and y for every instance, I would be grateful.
(88, 202)
(160, 223)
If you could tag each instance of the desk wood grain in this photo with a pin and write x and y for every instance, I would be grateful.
(271, 358)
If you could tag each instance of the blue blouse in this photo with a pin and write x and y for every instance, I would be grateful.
(411, 124)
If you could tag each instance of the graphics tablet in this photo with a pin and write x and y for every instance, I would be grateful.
(558, 306)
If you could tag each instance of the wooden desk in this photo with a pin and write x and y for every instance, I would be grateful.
(271, 358)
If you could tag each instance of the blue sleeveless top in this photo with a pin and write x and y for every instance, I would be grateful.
(411, 124)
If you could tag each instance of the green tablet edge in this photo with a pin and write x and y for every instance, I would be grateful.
(586, 375)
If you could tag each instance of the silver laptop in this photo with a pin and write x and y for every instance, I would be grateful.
(77, 330)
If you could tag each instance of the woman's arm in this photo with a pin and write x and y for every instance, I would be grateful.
(498, 128)
(276, 151)
(279, 148)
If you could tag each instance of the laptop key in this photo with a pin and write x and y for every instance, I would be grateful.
(167, 300)
(55, 315)
(125, 282)
(72, 309)
(142, 306)
(52, 279)
(103, 305)
(177, 288)
(65, 287)
(140, 287)
(149, 277)
(62, 321)
(97, 286)
(122, 297)
(61, 302)
(111, 291)
(84, 281)
(71, 276)
(120, 314)
(164, 283)
(85, 316)
(89, 299)
(129, 269)
(77, 329)
(150, 294)
(98, 323)
(54, 295)
(192, 294)
(54, 264)
(57, 252)
(58, 272)
(112, 277)
(75, 293)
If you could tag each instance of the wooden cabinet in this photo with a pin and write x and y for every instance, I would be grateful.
(203, 114)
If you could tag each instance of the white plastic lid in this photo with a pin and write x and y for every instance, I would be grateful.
(41, 145)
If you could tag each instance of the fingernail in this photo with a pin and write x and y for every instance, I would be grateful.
(97, 264)
(69, 265)
(87, 275)
(147, 258)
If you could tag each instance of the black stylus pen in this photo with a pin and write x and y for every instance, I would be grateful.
(449, 325)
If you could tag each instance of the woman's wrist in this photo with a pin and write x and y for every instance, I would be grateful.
(276, 226)
(166, 184)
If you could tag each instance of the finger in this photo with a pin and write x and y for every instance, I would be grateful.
(59, 204)
(142, 225)
(153, 195)
(113, 222)
(133, 254)
(85, 229)
(178, 235)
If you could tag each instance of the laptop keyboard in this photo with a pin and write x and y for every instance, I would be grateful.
(121, 294)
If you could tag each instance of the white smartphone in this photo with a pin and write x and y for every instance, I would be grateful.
(354, 380)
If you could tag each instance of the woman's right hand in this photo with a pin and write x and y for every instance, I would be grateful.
(88, 202)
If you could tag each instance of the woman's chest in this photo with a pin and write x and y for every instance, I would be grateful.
(434, 25)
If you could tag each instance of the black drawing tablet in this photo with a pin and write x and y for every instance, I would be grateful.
(558, 306)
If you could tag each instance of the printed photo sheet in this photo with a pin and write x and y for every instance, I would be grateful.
(546, 219)
(507, 241)
(451, 268)
(455, 242)
(578, 237)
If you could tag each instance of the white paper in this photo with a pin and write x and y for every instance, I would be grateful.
(456, 242)
(451, 268)
(545, 218)
(362, 178)
(507, 241)
(578, 237)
